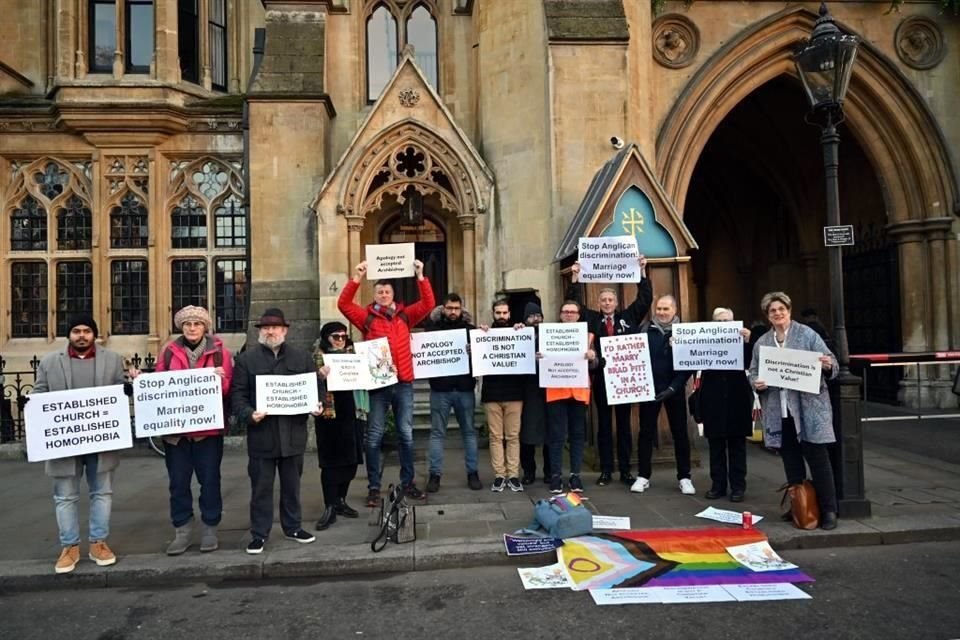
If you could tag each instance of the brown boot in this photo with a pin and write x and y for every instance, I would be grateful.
(101, 554)
(68, 560)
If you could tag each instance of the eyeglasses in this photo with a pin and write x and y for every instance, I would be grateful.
(338, 336)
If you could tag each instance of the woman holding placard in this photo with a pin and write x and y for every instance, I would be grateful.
(799, 424)
(339, 432)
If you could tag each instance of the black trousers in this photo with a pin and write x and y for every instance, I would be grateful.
(728, 461)
(817, 456)
(262, 472)
(528, 459)
(335, 482)
(605, 414)
(676, 407)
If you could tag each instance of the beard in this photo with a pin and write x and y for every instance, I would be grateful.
(81, 346)
(501, 323)
(271, 342)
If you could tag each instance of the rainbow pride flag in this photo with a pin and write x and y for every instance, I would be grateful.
(664, 558)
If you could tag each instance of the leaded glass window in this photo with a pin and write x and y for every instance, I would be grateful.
(231, 223)
(28, 226)
(189, 225)
(189, 280)
(422, 34)
(28, 297)
(52, 180)
(382, 48)
(128, 223)
(129, 297)
(231, 288)
(74, 292)
(74, 225)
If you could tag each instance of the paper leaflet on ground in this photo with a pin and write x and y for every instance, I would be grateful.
(611, 522)
(759, 556)
(549, 577)
(678, 595)
(529, 545)
(726, 516)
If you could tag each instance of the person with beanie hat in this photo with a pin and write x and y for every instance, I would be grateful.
(533, 416)
(80, 364)
(197, 452)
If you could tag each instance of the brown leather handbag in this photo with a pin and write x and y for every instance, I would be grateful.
(803, 509)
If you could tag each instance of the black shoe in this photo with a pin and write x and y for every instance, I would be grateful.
(499, 484)
(328, 518)
(556, 485)
(529, 478)
(604, 479)
(301, 536)
(575, 484)
(413, 493)
(345, 510)
(715, 493)
(256, 546)
(828, 520)
(373, 498)
(627, 478)
(473, 481)
(433, 484)
(736, 496)
(514, 484)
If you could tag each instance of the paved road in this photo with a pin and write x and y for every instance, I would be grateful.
(907, 591)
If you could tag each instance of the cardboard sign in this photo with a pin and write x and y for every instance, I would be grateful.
(612, 259)
(76, 422)
(708, 346)
(437, 354)
(790, 369)
(564, 372)
(563, 345)
(390, 260)
(176, 402)
(287, 395)
(627, 374)
(505, 351)
(379, 362)
(563, 338)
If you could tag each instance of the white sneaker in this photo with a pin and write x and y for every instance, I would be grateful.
(686, 487)
(641, 485)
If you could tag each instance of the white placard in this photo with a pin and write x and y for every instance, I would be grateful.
(726, 516)
(348, 372)
(279, 395)
(770, 591)
(627, 374)
(790, 369)
(759, 556)
(612, 259)
(563, 338)
(693, 594)
(177, 402)
(75, 422)
(707, 346)
(505, 351)
(563, 372)
(550, 577)
(612, 522)
(629, 595)
(379, 360)
(390, 260)
(437, 354)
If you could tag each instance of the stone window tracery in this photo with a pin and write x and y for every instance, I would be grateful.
(391, 26)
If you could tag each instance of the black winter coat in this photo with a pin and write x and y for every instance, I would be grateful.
(274, 436)
(725, 402)
(340, 439)
(466, 382)
(661, 360)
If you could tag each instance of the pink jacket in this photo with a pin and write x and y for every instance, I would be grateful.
(179, 362)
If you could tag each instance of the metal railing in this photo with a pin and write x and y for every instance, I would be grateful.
(917, 360)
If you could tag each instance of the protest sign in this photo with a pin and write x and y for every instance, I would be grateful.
(627, 374)
(562, 345)
(504, 351)
(611, 259)
(529, 545)
(348, 371)
(550, 577)
(176, 402)
(611, 522)
(707, 346)
(790, 369)
(287, 395)
(563, 338)
(563, 372)
(390, 260)
(379, 362)
(61, 424)
(437, 354)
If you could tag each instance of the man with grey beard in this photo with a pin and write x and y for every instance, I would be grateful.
(275, 443)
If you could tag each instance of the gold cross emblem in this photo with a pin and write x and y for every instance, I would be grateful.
(632, 221)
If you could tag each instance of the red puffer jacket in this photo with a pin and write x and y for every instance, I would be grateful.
(179, 362)
(396, 328)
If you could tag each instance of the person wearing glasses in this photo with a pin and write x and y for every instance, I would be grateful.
(338, 429)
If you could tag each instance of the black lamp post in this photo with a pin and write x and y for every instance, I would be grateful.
(825, 64)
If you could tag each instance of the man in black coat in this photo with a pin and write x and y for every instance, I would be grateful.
(454, 392)
(608, 320)
(275, 443)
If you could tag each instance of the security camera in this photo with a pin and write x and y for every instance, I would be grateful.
(616, 142)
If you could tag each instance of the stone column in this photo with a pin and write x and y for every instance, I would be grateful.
(68, 20)
(354, 227)
(937, 232)
(467, 226)
(914, 304)
(166, 45)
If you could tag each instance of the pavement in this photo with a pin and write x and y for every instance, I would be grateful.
(915, 498)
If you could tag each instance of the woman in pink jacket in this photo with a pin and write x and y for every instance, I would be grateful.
(196, 452)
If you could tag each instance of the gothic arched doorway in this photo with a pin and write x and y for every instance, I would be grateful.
(430, 241)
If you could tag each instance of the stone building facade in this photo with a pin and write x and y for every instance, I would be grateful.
(241, 153)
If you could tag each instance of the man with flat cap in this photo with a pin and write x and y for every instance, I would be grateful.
(275, 443)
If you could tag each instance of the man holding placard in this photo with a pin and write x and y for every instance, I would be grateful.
(81, 365)
(605, 321)
(275, 442)
(387, 318)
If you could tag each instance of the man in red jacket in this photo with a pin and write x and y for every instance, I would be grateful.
(386, 318)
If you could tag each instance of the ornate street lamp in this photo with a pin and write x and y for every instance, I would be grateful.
(825, 64)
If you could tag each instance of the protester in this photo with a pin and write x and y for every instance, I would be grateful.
(725, 407)
(608, 320)
(81, 365)
(338, 430)
(799, 424)
(198, 452)
(533, 416)
(387, 318)
(456, 392)
(567, 416)
(502, 398)
(669, 386)
(275, 443)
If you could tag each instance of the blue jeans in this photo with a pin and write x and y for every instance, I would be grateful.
(183, 460)
(66, 494)
(566, 419)
(400, 397)
(463, 403)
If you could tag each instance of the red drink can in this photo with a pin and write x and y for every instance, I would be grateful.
(747, 520)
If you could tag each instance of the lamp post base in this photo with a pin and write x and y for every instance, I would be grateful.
(853, 502)
(855, 508)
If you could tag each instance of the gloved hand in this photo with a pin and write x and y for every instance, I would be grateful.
(669, 392)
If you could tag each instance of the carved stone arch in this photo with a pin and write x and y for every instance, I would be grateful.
(51, 181)
(208, 179)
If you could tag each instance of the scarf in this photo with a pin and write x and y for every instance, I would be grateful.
(664, 327)
(194, 352)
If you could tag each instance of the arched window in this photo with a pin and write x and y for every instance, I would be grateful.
(189, 225)
(128, 223)
(382, 49)
(74, 225)
(422, 34)
(389, 30)
(28, 226)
